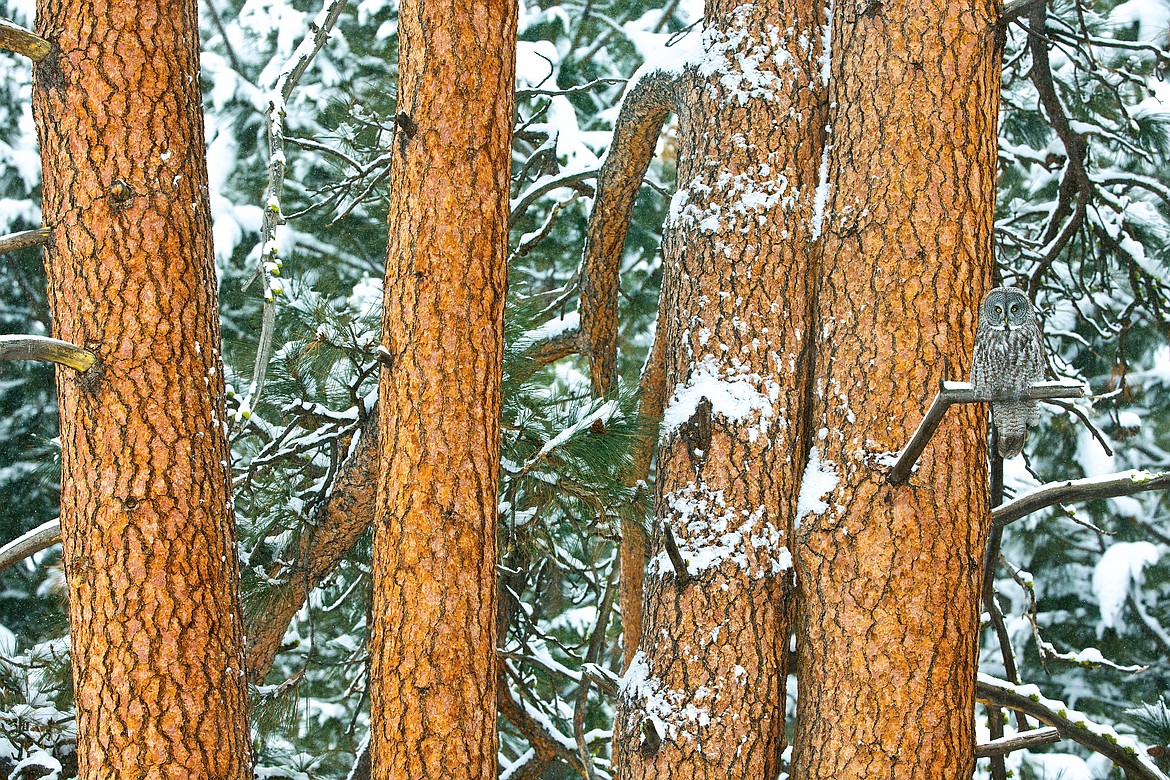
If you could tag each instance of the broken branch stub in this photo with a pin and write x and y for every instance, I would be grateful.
(47, 349)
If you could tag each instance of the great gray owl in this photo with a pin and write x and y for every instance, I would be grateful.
(1009, 356)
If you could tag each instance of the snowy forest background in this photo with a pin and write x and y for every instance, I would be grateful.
(1085, 589)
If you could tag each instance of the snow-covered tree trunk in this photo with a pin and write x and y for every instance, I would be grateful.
(146, 512)
(704, 696)
(889, 576)
(433, 632)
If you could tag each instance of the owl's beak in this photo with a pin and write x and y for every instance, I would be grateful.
(1007, 325)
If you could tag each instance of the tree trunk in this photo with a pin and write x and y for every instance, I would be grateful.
(704, 696)
(889, 577)
(146, 513)
(433, 636)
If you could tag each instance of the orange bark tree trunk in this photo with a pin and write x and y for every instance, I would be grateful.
(704, 696)
(146, 513)
(433, 633)
(889, 576)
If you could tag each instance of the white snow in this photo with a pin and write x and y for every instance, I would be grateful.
(672, 711)
(736, 394)
(820, 479)
(554, 327)
(1151, 16)
(821, 198)
(1121, 565)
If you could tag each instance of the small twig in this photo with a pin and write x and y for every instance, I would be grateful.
(1125, 483)
(24, 239)
(543, 186)
(24, 42)
(40, 538)
(1026, 739)
(1088, 423)
(962, 393)
(45, 348)
(681, 573)
(1015, 9)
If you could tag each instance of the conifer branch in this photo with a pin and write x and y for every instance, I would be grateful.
(24, 42)
(647, 103)
(24, 239)
(1026, 739)
(1125, 483)
(996, 693)
(47, 349)
(962, 393)
(30, 543)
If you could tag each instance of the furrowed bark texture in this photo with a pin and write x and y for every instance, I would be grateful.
(889, 577)
(433, 636)
(146, 517)
(704, 696)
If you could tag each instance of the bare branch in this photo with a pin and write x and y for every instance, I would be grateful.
(40, 538)
(997, 693)
(1125, 483)
(47, 349)
(24, 239)
(16, 39)
(647, 104)
(1017, 8)
(1027, 739)
(962, 393)
(546, 746)
(681, 573)
(546, 185)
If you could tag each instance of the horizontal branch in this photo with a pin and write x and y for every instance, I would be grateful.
(24, 239)
(1071, 725)
(962, 393)
(40, 538)
(1025, 739)
(45, 348)
(24, 42)
(1125, 483)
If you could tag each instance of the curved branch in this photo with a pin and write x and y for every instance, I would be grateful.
(23, 239)
(648, 102)
(16, 39)
(1125, 483)
(45, 348)
(1099, 739)
(40, 538)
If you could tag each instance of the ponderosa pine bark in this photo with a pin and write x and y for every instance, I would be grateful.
(146, 512)
(433, 632)
(889, 576)
(704, 696)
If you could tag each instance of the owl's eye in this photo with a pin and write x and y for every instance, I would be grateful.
(1015, 308)
(999, 310)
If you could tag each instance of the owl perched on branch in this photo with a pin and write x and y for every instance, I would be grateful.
(1009, 358)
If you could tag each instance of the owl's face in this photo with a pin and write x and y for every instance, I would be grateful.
(1005, 308)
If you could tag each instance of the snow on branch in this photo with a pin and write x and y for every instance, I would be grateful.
(24, 239)
(47, 349)
(1125, 483)
(269, 263)
(649, 100)
(962, 393)
(30, 543)
(1122, 750)
(16, 39)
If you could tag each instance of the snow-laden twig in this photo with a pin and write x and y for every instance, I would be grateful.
(1124, 483)
(16, 39)
(269, 263)
(1026, 739)
(962, 393)
(32, 542)
(1121, 750)
(23, 239)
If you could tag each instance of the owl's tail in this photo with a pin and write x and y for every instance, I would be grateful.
(1011, 419)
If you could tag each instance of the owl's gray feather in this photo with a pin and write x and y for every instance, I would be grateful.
(1009, 357)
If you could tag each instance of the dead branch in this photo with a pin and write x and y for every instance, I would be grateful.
(24, 42)
(996, 693)
(1125, 483)
(24, 239)
(40, 538)
(962, 393)
(546, 746)
(647, 104)
(47, 349)
(1026, 739)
